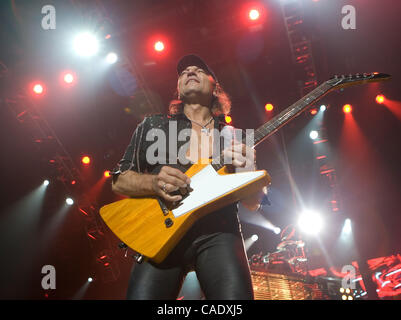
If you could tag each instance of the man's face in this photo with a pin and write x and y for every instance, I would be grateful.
(194, 83)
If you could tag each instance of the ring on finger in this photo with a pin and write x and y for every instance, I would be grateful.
(164, 188)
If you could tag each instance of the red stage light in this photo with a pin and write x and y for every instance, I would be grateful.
(380, 98)
(107, 174)
(38, 88)
(68, 78)
(313, 111)
(269, 107)
(254, 14)
(347, 108)
(86, 160)
(228, 119)
(159, 46)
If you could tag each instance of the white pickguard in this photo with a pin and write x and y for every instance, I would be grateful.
(208, 185)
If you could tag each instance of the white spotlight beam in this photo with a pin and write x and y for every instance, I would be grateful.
(86, 44)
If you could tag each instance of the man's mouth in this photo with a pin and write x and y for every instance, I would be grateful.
(190, 79)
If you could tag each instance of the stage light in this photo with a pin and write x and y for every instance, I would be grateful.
(159, 46)
(107, 174)
(111, 58)
(310, 222)
(269, 107)
(347, 228)
(69, 201)
(90, 279)
(313, 134)
(38, 88)
(86, 160)
(255, 237)
(380, 98)
(347, 108)
(344, 297)
(347, 291)
(350, 298)
(313, 111)
(68, 78)
(46, 183)
(254, 14)
(323, 108)
(276, 230)
(342, 290)
(228, 119)
(86, 44)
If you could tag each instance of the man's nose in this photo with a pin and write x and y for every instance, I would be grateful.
(191, 73)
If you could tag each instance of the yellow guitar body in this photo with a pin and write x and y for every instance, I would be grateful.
(141, 223)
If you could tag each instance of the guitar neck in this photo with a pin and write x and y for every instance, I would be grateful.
(270, 127)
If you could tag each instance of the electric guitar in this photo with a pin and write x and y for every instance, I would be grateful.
(153, 228)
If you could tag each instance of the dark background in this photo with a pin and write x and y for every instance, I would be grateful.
(254, 67)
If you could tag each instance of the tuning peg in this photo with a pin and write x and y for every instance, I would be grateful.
(343, 76)
(350, 76)
(335, 76)
(357, 75)
(365, 74)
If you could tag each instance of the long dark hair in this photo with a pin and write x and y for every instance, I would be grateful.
(221, 102)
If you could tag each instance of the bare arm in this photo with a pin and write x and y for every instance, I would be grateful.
(133, 184)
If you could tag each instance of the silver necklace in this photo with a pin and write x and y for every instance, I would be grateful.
(204, 129)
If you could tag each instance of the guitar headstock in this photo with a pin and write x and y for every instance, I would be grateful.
(343, 81)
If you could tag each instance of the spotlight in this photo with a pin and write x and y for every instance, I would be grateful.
(344, 297)
(342, 290)
(38, 89)
(310, 222)
(86, 44)
(159, 46)
(228, 119)
(313, 111)
(350, 298)
(68, 78)
(347, 108)
(380, 99)
(269, 107)
(323, 108)
(90, 279)
(255, 237)
(111, 58)
(106, 174)
(347, 228)
(69, 201)
(46, 183)
(313, 134)
(86, 160)
(276, 230)
(254, 14)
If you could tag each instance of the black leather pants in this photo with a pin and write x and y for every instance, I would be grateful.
(219, 261)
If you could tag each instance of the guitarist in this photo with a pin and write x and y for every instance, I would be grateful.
(213, 247)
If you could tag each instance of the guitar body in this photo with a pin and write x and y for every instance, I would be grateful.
(143, 226)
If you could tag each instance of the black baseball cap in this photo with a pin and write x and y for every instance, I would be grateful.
(194, 60)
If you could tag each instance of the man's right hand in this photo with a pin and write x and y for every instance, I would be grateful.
(169, 180)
